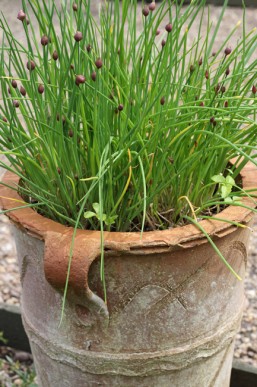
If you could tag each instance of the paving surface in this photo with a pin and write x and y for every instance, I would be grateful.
(246, 343)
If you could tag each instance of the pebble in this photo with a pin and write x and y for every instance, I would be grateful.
(18, 382)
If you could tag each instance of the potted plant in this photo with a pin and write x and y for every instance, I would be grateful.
(131, 188)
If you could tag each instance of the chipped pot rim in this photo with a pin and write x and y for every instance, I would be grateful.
(37, 225)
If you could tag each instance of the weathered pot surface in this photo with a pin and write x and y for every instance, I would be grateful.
(173, 307)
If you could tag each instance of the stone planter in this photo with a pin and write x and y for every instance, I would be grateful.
(173, 307)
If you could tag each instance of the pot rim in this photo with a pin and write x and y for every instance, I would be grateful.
(185, 236)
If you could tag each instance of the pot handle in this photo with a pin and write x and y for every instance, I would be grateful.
(56, 261)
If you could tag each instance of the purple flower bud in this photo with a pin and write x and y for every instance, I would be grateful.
(89, 48)
(99, 63)
(207, 74)
(74, 7)
(4, 119)
(93, 76)
(227, 71)
(152, 6)
(58, 118)
(212, 120)
(226, 104)
(21, 15)
(158, 31)
(168, 28)
(41, 89)
(59, 171)
(145, 11)
(223, 89)
(192, 68)
(55, 55)
(201, 103)
(120, 107)
(23, 91)
(31, 65)
(16, 103)
(72, 67)
(44, 40)
(78, 36)
(200, 62)
(254, 89)
(70, 133)
(163, 43)
(214, 53)
(14, 84)
(217, 88)
(162, 101)
(227, 51)
(80, 79)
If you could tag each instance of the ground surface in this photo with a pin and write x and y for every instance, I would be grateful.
(246, 343)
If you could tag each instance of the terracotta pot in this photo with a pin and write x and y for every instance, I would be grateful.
(173, 307)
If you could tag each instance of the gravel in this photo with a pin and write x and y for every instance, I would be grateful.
(246, 341)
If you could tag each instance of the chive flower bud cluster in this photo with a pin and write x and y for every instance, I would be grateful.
(44, 40)
(55, 55)
(80, 79)
(99, 63)
(23, 91)
(168, 27)
(31, 65)
(63, 118)
(145, 11)
(152, 6)
(41, 89)
(14, 84)
(217, 88)
(16, 103)
(227, 51)
(22, 17)
(78, 36)
(213, 121)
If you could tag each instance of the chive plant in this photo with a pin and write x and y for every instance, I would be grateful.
(120, 128)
